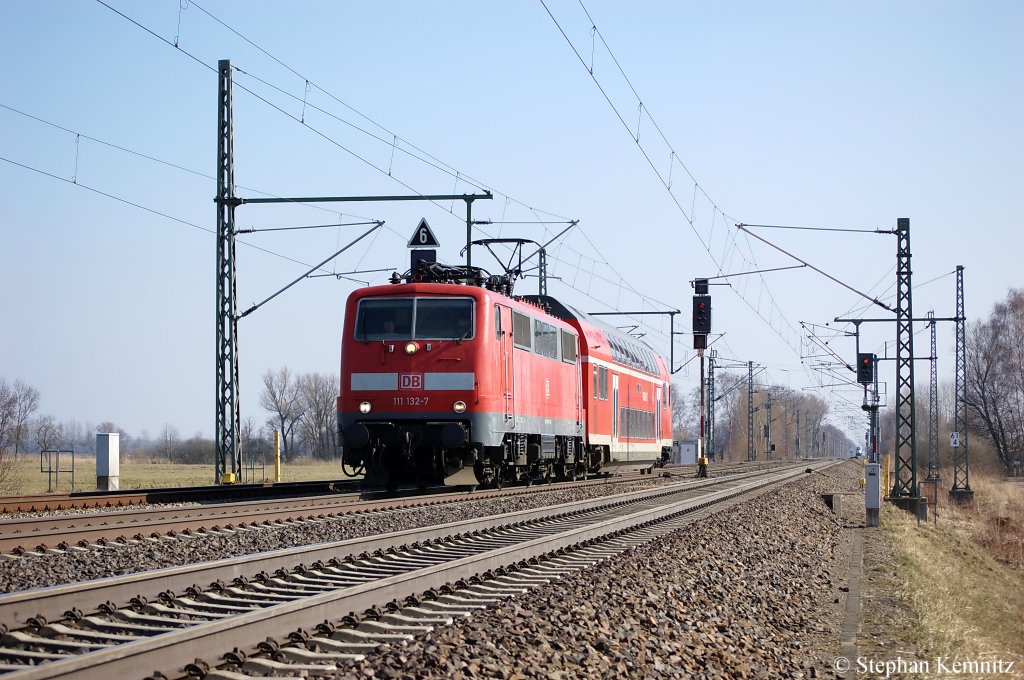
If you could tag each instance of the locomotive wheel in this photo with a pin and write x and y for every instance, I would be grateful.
(570, 472)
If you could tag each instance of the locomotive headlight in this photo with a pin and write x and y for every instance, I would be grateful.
(412, 347)
(364, 407)
(459, 407)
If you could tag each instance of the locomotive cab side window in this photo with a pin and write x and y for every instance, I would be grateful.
(444, 319)
(384, 319)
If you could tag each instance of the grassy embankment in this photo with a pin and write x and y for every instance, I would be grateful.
(963, 576)
(145, 475)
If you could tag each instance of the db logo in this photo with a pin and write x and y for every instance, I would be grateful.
(410, 381)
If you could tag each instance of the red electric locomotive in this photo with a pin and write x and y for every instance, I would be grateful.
(446, 378)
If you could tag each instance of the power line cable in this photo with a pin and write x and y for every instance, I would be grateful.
(155, 159)
(690, 217)
(335, 142)
(147, 209)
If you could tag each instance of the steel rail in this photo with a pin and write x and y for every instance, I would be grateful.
(52, 602)
(74, 500)
(49, 531)
(38, 534)
(172, 649)
(127, 498)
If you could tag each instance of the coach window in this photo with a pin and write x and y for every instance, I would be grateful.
(521, 335)
(545, 341)
(568, 347)
(596, 381)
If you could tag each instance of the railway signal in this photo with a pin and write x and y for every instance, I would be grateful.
(702, 314)
(865, 368)
(701, 329)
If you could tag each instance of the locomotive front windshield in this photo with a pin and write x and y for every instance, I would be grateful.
(414, 319)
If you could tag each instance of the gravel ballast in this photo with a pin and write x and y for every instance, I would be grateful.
(752, 591)
(36, 571)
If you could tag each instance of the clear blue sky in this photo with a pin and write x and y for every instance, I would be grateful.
(834, 114)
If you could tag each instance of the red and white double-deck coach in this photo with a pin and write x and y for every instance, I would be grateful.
(444, 381)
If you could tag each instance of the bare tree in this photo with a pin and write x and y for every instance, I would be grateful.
(682, 422)
(8, 409)
(27, 403)
(48, 433)
(319, 421)
(995, 377)
(281, 396)
(169, 442)
(9, 479)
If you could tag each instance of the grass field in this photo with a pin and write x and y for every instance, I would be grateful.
(962, 575)
(145, 475)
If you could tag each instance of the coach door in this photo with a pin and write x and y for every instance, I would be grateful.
(657, 393)
(615, 407)
(503, 330)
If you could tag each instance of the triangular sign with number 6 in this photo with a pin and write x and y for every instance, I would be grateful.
(423, 237)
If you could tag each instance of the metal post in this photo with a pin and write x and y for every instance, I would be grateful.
(933, 409)
(905, 474)
(961, 490)
(702, 456)
(277, 456)
(672, 344)
(874, 435)
(542, 271)
(228, 418)
(710, 430)
(768, 428)
(751, 451)
(469, 233)
(798, 434)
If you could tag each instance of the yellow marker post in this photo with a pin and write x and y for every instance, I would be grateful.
(277, 456)
(885, 474)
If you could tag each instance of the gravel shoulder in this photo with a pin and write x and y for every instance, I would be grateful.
(886, 618)
(754, 591)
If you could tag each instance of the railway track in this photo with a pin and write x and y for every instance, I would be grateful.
(40, 534)
(302, 598)
(80, 500)
(75, 500)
